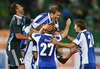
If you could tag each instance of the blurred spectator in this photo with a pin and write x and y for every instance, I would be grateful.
(66, 12)
(97, 20)
(90, 20)
(3, 23)
(94, 4)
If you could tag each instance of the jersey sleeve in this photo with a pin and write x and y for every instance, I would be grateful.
(36, 36)
(78, 39)
(36, 21)
(27, 29)
(40, 19)
(59, 37)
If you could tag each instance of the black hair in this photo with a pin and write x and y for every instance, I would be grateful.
(13, 7)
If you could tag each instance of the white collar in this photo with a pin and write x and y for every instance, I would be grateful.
(18, 16)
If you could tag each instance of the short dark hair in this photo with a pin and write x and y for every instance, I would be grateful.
(81, 24)
(13, 7)
(54, 8)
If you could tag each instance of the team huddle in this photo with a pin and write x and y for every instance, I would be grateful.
(34, 44)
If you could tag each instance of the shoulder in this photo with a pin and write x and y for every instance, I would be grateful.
(13, 20)
(42, 15)
(36, 34)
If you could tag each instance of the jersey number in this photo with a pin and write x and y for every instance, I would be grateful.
(91, 43)
(45, 46)
(21, 60)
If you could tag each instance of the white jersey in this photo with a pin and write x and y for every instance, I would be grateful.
(85, 41)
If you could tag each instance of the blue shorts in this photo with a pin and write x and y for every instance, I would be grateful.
(88, 66)
(42, 67)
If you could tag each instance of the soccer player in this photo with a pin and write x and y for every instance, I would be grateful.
(43, 18)
(85, 42)
(49, 17)
(46, 50)
(15, 58)
(46, 18)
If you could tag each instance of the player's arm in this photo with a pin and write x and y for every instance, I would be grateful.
(46, 27)
(65, 32)
(70, 38)
(38, 29)
(35, 55)
(59, 50)
(70, 45)
(72, 51)
(21, 36)
(18, 31)
(33, 30)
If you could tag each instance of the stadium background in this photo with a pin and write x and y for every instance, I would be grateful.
(87, 10)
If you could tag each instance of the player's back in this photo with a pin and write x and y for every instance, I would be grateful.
(46, 50)
(86, 43)
(90, 45)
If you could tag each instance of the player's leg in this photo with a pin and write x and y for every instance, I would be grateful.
(19, 58)
(28, 58)
(34, 51)
(16, 59)
(28, 55)
(11, 61)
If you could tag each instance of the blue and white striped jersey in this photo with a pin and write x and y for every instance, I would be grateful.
(28, 55)
(43, 18)
(46, 49)
(85, 41)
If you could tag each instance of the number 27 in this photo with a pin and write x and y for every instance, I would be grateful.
(45, 46)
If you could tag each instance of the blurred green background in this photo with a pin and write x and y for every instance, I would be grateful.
(87, 10)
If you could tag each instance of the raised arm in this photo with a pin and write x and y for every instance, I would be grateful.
(65, 32)
(70, 38)
(72, 51)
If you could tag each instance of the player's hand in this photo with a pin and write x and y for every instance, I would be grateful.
(46, 26)
(68, 22)
(59, 50)
(74, 50)
(54, 41)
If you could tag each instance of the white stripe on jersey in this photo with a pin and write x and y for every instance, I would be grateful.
(38, 17)
(84, 47)
(28, 58)
(43, 18)
(87, 46)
